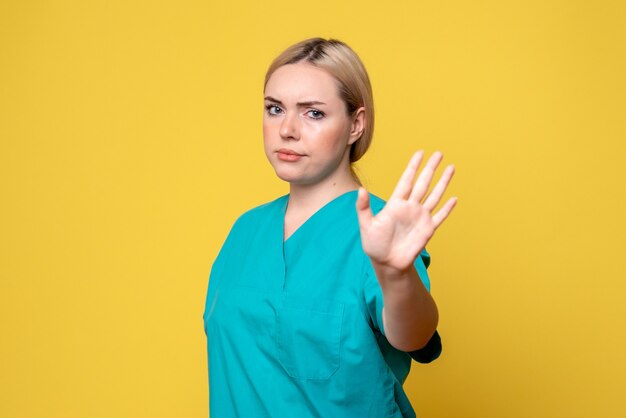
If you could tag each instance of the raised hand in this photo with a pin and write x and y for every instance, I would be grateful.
(398, 233)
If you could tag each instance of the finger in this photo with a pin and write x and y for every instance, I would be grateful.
(443, 213)
(363, 210)
(403, 188)
(435, 196)
(423, 180)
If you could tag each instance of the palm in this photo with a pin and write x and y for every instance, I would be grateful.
(399, 232)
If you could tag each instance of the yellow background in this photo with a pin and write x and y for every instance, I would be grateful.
(131, 139)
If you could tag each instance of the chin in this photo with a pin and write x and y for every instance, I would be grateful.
(290, 176)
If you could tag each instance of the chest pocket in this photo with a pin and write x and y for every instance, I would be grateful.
(308, 338)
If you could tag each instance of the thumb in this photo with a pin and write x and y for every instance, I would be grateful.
(363, 210)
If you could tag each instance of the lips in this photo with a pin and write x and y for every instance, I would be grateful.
(288, 155)
(289, 152)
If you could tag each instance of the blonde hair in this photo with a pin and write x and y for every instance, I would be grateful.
(355, 89)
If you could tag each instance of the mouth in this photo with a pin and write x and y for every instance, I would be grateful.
(288, 155)
(287, 151)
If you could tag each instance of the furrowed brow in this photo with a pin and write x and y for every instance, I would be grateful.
(299, 104)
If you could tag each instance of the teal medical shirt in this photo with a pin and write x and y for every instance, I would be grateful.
(294, 328)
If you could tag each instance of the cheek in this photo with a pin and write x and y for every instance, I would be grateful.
(267, 131)
(330, 138)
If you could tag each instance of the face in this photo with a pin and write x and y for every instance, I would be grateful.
(307, 132)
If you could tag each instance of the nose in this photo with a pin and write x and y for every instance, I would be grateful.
(290, 127)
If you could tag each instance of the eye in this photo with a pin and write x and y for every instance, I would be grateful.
(316, 114)
(272, 109)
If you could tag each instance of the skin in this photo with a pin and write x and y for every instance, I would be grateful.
(323, 172)
(322, 134)
(394, 238)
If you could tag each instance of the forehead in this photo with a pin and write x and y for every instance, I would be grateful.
(301, 81)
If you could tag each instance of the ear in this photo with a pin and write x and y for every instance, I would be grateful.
(358, 124)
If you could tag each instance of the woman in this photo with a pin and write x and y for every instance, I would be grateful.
(319, 299)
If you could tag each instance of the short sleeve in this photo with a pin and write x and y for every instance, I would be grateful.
(374, 302)
(216, 268)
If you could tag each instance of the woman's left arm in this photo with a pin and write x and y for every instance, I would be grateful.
(393, 238)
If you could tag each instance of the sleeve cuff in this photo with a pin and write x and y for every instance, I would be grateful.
(430, 352)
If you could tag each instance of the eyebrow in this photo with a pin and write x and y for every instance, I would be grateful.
(300, 104)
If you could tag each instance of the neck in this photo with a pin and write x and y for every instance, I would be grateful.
(314, 196)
